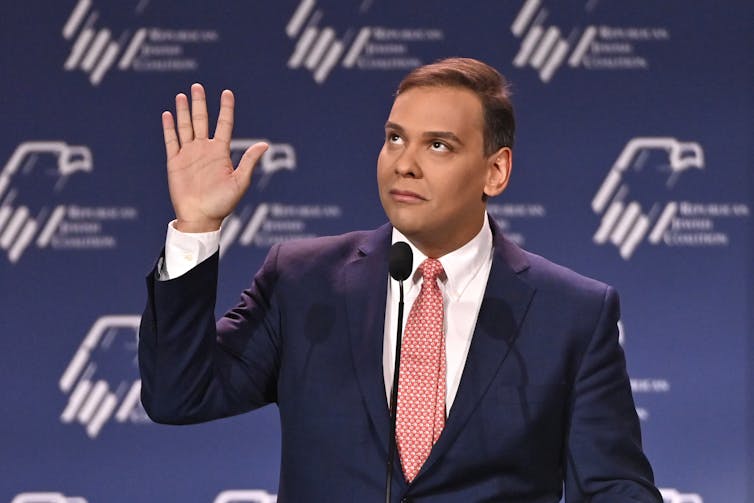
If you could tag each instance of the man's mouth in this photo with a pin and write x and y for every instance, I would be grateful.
(406, 196)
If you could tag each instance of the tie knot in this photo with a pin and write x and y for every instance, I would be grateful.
(431, 269)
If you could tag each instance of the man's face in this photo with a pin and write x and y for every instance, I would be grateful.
(432, 170)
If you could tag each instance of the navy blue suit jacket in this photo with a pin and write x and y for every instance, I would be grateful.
(544, 401)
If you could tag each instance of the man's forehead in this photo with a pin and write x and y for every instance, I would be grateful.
(436, 107)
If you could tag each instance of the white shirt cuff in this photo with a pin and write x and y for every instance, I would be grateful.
(186, 250)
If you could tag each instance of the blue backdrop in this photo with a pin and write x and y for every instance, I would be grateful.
(633, 164)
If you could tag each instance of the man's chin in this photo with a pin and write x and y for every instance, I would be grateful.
(413, 229)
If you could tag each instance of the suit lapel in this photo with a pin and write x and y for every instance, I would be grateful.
(366, 279)
(504, 306)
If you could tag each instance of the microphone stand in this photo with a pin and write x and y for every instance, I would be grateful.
(394, 397)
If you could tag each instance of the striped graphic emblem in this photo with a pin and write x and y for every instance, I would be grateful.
(46, 497)
(96, 391)
(317, 48)
(543, 47)
(236, 229)
(94, 50)
(20, 225)
(670, 495)
(245, 496)
(624, 223)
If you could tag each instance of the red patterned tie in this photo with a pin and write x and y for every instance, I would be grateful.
(421, 384)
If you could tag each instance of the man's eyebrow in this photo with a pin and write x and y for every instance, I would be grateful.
(447, 135)
(394, 126)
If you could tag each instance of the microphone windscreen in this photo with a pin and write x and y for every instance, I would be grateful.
(401, 261)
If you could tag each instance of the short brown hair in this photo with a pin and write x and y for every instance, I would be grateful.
(484, 81)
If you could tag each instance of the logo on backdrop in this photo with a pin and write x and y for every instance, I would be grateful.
(46, 497)
(95, 50)
(320, 49)
(269, 222)
(670, 495)
(512, 217)
(643, 385)
(246, 496)
(545, 47)
(101, 380)
(635, 203)
(32, 212)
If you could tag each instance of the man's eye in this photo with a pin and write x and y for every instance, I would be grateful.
(439, 146)
(394, 138)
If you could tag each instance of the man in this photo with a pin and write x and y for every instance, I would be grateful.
(512, 383)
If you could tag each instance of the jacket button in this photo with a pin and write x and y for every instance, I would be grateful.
(406, 500)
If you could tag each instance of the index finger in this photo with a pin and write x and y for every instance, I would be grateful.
(224, 129)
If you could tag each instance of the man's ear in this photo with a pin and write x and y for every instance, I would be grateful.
(499, 166)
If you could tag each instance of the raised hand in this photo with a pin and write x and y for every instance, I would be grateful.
(204, 187)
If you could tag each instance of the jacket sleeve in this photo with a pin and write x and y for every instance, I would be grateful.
(604, 458)
(194, 369)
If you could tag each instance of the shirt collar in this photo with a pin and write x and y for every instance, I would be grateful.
(460, 265)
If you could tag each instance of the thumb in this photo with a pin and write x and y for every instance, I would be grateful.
(248, 162)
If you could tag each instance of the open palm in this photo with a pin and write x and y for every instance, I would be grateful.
(204, 186)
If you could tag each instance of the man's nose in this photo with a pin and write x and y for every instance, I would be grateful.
(407, 163)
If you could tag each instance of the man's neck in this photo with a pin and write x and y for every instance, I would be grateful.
(436, 248)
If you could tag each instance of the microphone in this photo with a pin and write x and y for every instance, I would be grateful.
(401, 261)
(400, 264)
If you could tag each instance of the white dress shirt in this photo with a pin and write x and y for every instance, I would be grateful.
(186, 250)
(466, 273)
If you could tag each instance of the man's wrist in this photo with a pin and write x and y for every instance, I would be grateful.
(196, 226)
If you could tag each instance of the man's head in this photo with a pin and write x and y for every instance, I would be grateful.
(447, 149)
(489, 86)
